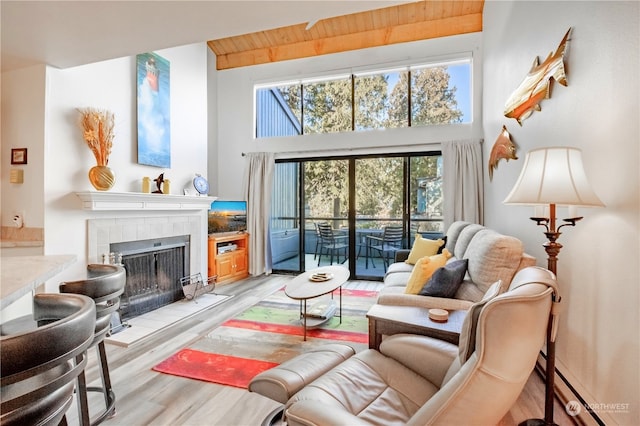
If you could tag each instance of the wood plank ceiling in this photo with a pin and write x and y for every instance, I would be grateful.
(397, 24)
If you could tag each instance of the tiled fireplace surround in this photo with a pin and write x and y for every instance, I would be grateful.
(103, 232)
(182, 216)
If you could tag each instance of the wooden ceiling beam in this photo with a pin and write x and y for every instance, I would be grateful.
(383, 36)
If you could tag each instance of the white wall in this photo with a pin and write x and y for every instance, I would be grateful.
(598, 268)
(66, 159)
(23, 127)
(212, 119)
(236, 111)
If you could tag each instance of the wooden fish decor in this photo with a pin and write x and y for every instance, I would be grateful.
(502, 148)
(536, 85)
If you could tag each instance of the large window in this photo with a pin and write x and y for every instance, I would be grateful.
(359, 196)
(326, 106)
(420, 95)
(379, 100)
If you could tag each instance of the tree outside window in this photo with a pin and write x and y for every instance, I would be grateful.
(379, 100)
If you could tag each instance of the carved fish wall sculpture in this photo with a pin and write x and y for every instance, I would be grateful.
(502, 148)
(536, 85)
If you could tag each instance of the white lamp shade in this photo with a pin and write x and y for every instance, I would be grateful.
(553, 176)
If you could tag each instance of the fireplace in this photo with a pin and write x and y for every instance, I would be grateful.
(154, 268)
(148, 219)
(163, 248)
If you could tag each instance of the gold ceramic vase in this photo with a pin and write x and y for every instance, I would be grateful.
(102, 178)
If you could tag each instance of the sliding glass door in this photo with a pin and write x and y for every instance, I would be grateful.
(379, 214)
(286, 235)
(307, 194)
(368, 206)
(326, 207)
(425, 197)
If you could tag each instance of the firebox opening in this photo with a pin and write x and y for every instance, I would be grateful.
(154, 268)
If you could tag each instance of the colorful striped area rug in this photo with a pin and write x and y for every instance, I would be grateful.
(266, 335)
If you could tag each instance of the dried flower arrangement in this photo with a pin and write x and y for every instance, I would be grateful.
(97, 127)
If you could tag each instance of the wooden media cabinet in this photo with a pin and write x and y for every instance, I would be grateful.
(228, 256)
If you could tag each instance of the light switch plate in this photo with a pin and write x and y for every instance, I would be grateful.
(16, 176)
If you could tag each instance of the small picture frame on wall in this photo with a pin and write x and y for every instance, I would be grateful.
(18, 155)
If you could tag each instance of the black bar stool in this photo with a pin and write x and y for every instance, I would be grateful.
(39, 366)
(104, 284)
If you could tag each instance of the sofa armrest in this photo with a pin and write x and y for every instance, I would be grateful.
(526, 261)
(403, 299)
(402, 255)
(427, 356)
(313, 413)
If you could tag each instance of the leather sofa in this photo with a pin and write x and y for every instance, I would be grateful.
(419, 380)
(491, 257)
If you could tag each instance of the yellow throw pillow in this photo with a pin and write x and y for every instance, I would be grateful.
(423, 247)
(423, 269)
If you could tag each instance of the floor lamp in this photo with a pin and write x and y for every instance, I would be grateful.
(552, 177)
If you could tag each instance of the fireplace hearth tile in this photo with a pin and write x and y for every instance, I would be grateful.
(161, 316)
(152, 322)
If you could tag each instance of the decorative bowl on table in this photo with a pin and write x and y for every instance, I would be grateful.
(319, 277)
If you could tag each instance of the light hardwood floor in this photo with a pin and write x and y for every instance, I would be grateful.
(145, 397)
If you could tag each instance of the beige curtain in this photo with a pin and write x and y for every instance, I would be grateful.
(462, 181)
(258, 181)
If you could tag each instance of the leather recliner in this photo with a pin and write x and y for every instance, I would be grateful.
(418, 380)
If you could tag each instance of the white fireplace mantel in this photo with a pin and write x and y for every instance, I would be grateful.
(120, 201)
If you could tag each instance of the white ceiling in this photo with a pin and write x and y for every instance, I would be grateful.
(71, 33)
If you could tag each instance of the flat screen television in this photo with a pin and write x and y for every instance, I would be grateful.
(227, 216)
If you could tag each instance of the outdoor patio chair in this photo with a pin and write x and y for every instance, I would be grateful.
(332, 242)
(318, 239)
(386, 245)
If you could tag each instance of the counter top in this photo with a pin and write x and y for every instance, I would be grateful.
(20, 275)
(20, 243)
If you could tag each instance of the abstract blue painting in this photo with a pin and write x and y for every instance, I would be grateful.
(154, 121)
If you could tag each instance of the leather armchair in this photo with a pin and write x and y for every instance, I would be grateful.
(417, 380)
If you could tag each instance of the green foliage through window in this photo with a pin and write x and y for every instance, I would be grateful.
(439, 94)
(380, 195)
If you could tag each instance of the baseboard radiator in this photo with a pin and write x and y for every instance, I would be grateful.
(566, 393)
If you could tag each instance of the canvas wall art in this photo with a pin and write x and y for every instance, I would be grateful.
(154, 121)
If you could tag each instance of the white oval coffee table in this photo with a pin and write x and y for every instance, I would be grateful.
(303, 288)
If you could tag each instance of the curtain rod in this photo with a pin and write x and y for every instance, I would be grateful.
(320, 151)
